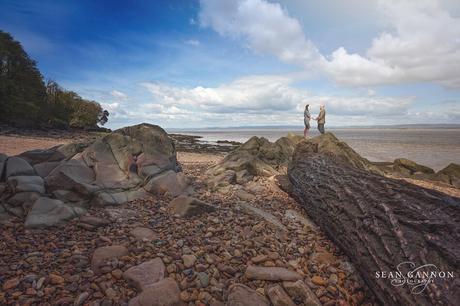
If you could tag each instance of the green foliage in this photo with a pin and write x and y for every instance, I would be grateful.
(22, 90)
(26, 101)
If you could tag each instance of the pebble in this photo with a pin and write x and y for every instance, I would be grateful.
(189, 260)
(11, 284)
(56, 279)
(81, 299)
(318, 280)
(204, 279)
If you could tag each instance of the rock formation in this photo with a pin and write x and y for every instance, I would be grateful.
(51, 186)
(256, 157)
(379, 222)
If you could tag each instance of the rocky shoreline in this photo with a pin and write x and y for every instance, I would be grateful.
(241, 239)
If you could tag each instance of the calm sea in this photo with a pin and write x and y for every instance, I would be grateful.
(435, 148)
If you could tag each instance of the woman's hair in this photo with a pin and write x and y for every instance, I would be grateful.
(307, 105)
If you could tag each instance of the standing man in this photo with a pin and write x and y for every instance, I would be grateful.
(321, 119)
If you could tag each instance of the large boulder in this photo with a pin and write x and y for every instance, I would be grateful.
(50, 212)
(256, 157)
(121, 166)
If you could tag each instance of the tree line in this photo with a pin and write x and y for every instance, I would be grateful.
(27, 100)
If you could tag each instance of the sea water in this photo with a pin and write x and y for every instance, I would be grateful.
(433, 147)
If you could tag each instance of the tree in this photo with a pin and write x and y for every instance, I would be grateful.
(26, 101)
(22, 90)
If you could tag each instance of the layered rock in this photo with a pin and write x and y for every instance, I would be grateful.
(122, 166)
(256, 157)
(378, 222)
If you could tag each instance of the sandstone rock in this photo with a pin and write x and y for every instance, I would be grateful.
(145, 274)
(162, 293)
(257, 156)
(271, 274)
(241, 295)
(48, 212)
(103, 254)
(300, 292)
(143, 234)
(24, 183)
(279, 297)
(94, 221)
(188, 207)
(169, 182)
(17, 166)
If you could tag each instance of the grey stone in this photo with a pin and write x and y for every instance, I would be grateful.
(48, 212)
(17, 166)
(3, 158)
(45, 168)
(23, 183)
(24, 199)
(106, 198)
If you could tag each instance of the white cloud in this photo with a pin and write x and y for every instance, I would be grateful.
(264, 97)
(421, 42)
(192, 42)
(118, 95)
(266, 26)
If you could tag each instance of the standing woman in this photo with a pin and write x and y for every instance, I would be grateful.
(306, 120)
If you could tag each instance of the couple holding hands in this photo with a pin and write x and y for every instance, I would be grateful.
(321, 119)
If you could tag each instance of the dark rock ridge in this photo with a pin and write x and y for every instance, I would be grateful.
(50, 186)
(256, 157)
(380, 222)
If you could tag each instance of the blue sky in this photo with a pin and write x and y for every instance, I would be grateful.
(249, 62)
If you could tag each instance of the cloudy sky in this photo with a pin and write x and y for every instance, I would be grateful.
(249, 62)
